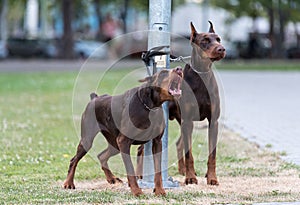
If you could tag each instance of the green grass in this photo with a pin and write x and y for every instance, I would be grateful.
(260, 65)
(38, 138)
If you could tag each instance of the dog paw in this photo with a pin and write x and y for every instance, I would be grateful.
(114, 180)
(212, 182)
(137, 192)
(68, 185)
(191, 181)
(181, 171)
(159, 192)
(212, 179)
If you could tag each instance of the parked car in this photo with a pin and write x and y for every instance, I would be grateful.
(258, 46)
(24, 47)
(3, 49)
(293, 52)
(90, 49)
(231, 50)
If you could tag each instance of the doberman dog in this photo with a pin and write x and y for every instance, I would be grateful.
(200, 85)
(132, 118)
(199, 101)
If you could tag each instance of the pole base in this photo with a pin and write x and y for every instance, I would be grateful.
(168, 184)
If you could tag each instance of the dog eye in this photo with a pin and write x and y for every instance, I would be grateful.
(219, 40)
(206, 40)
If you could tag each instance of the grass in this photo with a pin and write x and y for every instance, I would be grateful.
(38, 138)
(261, 65)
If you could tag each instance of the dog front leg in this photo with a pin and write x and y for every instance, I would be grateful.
(139, 162)
(212, 143)
(157, 151)
(186, 132)
(179, 148)
(124, 144)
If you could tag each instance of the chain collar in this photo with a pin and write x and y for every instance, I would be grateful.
(182, 59)
(145, 105)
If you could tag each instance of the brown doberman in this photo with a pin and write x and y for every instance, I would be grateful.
(134, 117)
(200, 100)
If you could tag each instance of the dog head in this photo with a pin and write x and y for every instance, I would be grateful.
(166, 82)
(207, 45)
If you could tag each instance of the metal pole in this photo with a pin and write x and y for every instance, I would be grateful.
(159, 35)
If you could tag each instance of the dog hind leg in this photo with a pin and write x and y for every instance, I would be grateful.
(89, 129)
(103, 158)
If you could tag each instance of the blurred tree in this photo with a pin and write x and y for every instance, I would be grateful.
(15, 16)
(67, 39)
(295, 18)
(3, 22)
(278, 13)
(122, 6)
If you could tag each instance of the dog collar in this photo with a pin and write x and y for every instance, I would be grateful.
(182, 59)
(199, 72)
(145, 105)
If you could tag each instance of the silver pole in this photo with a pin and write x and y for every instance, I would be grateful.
(159, 35)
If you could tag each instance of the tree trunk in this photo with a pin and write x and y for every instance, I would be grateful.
(297, 34)
(271, 28)
(99, 34)
(3, 21)
(282, 21)
(67, 39)
(124, 15)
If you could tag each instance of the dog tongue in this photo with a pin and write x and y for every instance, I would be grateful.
(175, 92)
(175, 87)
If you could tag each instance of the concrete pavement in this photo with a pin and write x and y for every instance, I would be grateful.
(264, 107)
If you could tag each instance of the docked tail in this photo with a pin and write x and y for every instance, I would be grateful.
(93, 95)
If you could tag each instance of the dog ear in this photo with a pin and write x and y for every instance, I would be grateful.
(147, 79)
(211, 28)
(193, 32)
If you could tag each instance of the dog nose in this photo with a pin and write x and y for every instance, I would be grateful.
(220, 49)
(178, 70)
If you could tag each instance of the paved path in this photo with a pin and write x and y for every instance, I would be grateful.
(264, 107)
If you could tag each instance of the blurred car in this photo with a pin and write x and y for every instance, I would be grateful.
(231, 50)
(260, 47)
(293, 52)
(24, 47)
(3, 49)
(90, 49)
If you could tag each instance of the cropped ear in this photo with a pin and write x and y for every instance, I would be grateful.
(147, 79)
(211, 28)
(193, 32)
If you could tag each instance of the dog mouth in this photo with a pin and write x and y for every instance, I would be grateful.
(175, 85)
(218, 57)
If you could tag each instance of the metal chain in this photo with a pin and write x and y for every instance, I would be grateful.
(180, 58)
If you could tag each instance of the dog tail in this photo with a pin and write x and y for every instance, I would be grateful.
(93, 95)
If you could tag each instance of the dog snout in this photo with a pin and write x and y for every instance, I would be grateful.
(220, 49)
(178, 70)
